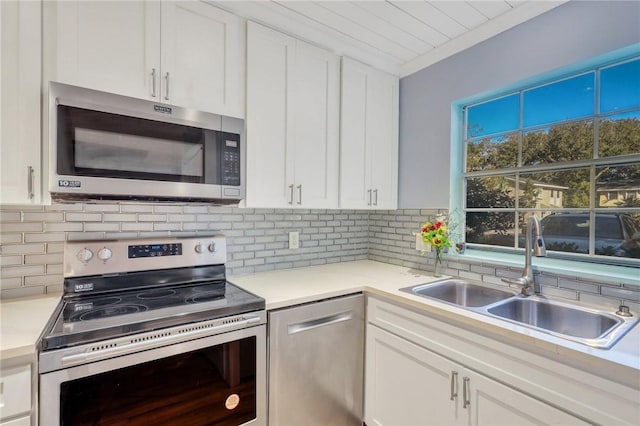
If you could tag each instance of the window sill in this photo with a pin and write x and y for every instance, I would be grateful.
(610, 274)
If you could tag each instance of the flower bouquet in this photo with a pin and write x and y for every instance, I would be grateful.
(436, 233)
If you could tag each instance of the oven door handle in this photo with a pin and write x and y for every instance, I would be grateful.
(137, 344)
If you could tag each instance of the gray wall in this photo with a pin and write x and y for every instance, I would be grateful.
(568, 34)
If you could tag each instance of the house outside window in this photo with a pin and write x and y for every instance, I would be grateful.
(566, 150)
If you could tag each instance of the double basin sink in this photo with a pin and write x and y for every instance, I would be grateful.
(583, 325)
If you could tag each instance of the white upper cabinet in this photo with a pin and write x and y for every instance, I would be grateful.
(182, 53)
(202, 60)
(368, 138)
(20, 78)
(292, 122)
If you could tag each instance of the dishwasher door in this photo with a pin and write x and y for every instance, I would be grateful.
(316, 368)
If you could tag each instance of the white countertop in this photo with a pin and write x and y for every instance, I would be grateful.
(23, 320)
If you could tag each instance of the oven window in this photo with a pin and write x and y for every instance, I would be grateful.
(100, 144)
(211, 386)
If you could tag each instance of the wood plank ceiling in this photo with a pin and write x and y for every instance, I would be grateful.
(400, 37)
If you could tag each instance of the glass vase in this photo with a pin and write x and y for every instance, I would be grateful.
(438, 264)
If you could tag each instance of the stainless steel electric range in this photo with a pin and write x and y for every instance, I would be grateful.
(151, 332)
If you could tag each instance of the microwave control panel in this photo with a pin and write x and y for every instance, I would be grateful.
(230, 159)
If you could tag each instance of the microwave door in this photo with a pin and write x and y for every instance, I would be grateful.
(107, 153)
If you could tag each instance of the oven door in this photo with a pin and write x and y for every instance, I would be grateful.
(216, 380)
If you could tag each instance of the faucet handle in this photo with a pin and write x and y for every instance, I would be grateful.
(515, 281)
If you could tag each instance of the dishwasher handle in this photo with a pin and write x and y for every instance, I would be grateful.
(320, 322)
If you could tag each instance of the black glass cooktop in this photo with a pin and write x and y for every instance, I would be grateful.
(84, 318)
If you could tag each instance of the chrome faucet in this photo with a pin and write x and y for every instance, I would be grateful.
(539, 250)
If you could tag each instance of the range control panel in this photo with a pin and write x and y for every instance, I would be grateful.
(83, 258)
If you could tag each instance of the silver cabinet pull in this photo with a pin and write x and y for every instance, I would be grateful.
(375, 198)
(166, 92)
(454, 385)
(153, 82)
(466, 393)
(369, 192)
(299, 194)
(30, 193)
(290, 194)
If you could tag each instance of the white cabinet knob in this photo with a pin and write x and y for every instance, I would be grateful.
(84, 255)
(104, 254)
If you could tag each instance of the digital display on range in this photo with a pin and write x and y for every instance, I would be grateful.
(154, 250)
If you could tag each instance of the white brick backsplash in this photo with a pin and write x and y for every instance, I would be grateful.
(48, 236)
(43, 217)
(11, 260)
(119, 217)
(32, 239)
(22, 227)
(10, 217)
(63, 226)
(112, 227)
(83, 217)
(22, 248)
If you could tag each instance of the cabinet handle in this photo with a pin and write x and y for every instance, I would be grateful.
(369, 192)
(299, 194)
(290, 194)
(375, 198)
(320, 322)
(153, 82)
(454, 385)
(166, 92)
(465, 393)
(30, 193)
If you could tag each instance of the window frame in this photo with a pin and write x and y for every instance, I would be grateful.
(459, 173)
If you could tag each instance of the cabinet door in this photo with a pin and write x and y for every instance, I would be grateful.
(408, 385)
(270, 177)
(316, 91)
(369, 138)
(20, 147)
(202, 58)
(382, 138)
(15, 387)
(492, 403)
(111, 46)
(354, 167)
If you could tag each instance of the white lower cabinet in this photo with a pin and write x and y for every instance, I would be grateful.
(423, 370)
(410, 385)
(15, 395)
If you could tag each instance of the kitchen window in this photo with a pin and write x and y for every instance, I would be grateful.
(561, 149)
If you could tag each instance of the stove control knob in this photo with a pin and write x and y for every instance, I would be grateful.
(104, 254)
(199, 248)
(212, 247)
(84, 255)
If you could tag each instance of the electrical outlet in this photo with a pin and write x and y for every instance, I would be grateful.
(421, 245)
(294, 240)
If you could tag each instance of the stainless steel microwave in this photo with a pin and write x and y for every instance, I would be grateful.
(113, 147)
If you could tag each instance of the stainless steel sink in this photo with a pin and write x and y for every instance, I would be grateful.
(565, 320)
(556, 318)
(460, 292)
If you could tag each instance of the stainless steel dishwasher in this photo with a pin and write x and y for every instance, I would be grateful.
(316, 354)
